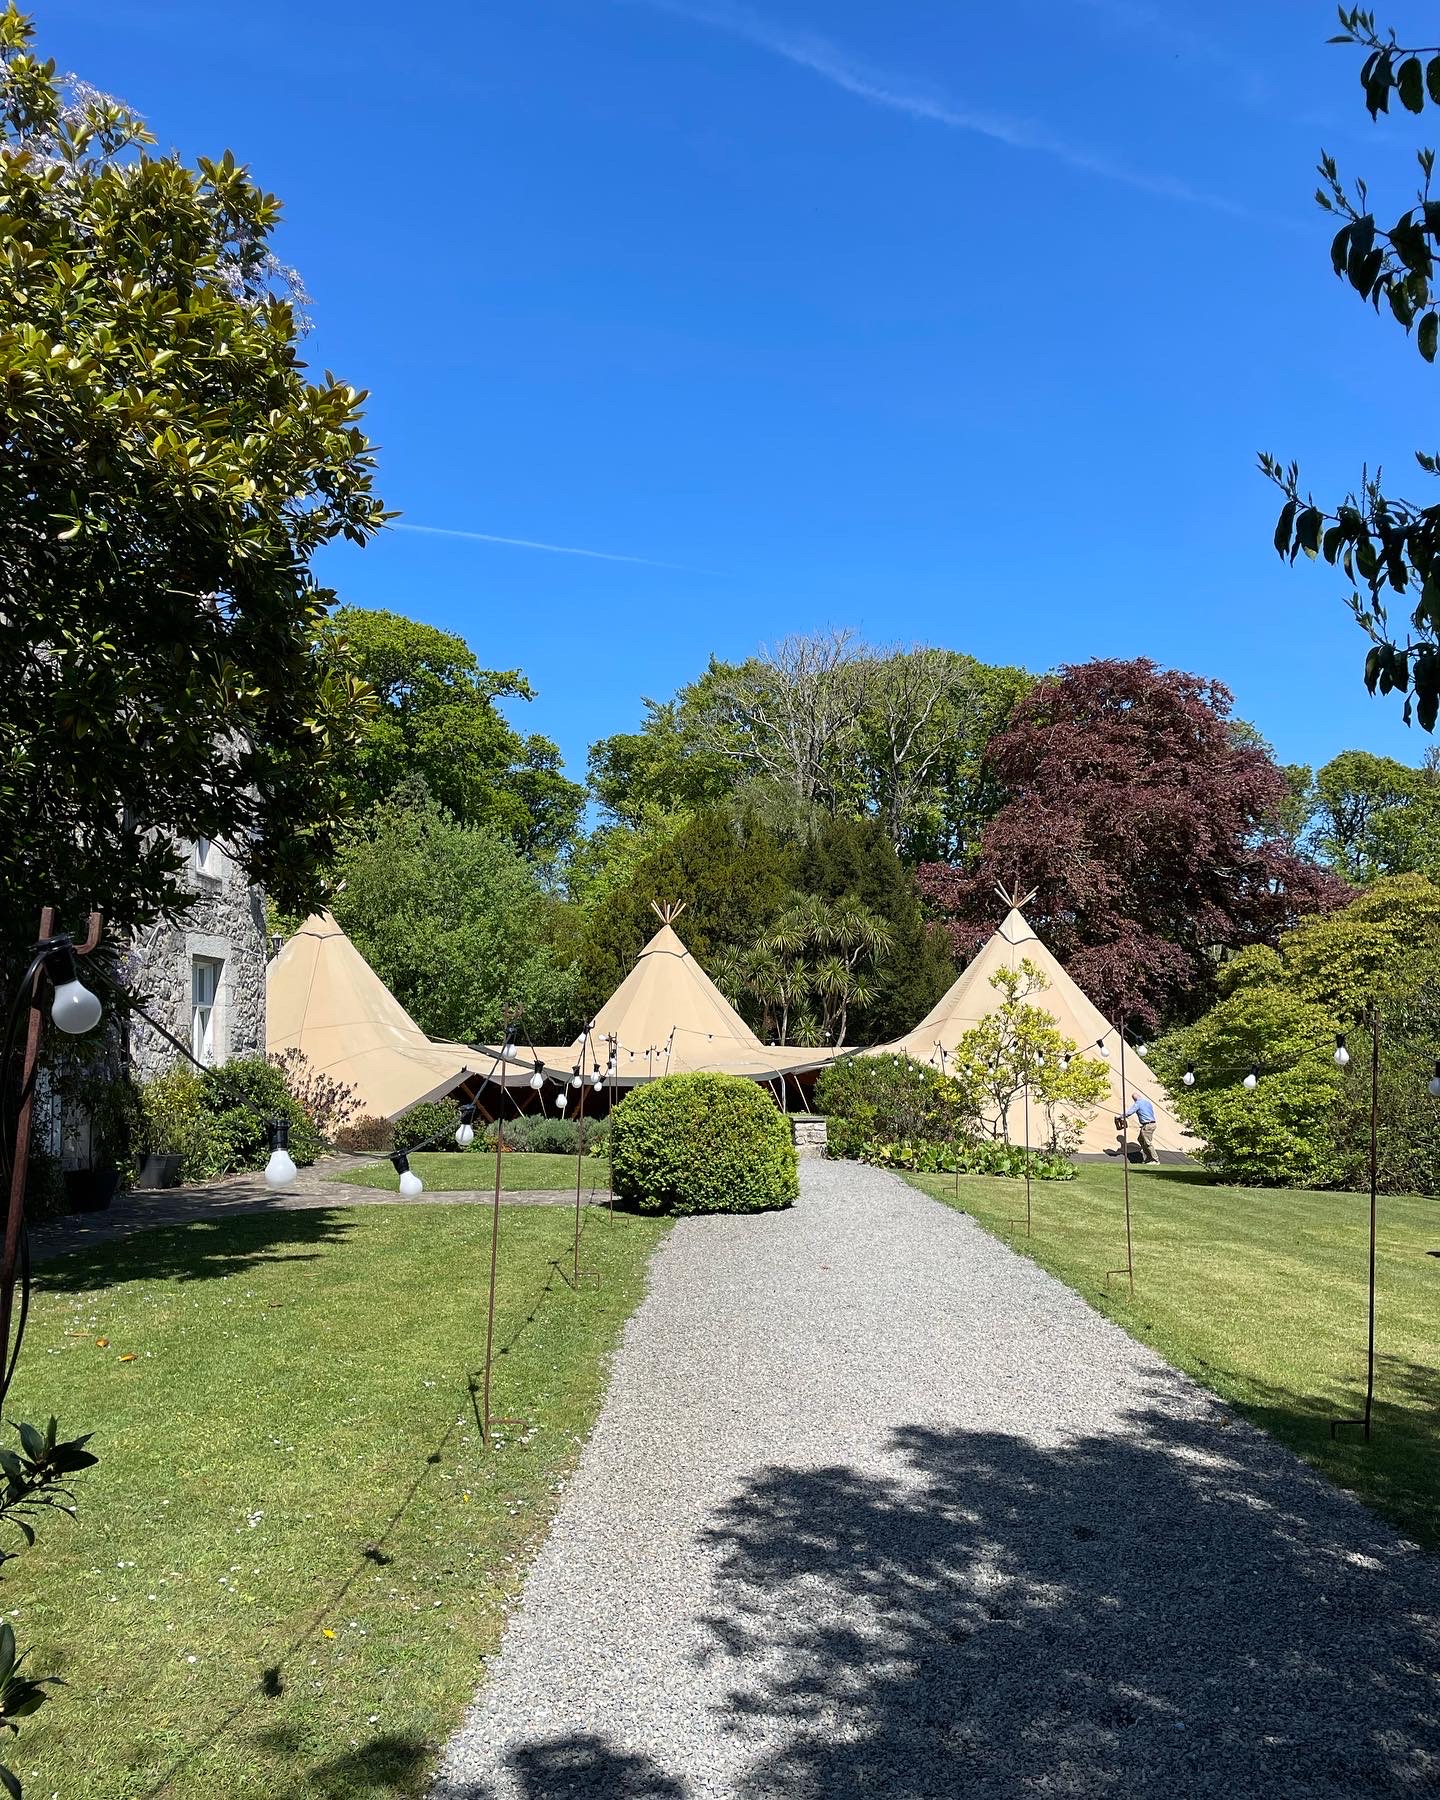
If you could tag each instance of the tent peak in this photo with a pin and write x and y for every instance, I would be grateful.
(1010, 897)
(667, 911)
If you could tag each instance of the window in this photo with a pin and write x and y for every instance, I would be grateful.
(204, 992)
(207, 861)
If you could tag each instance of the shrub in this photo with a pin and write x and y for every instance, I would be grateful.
(45, 1196)
(245, 1095)
(970, 1156)
(889, 1099)
(366, 1133)
(329, 1105)
(431, 1119)
(702, 1143)
(538, 1132)
(174, 1121)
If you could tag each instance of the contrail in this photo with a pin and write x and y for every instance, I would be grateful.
(489, 537)
(826, 60)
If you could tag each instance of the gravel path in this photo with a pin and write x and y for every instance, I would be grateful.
(876, 1507)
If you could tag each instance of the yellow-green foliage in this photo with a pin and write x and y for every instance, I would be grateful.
(702, 1143)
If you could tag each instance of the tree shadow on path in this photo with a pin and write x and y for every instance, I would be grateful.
(1180, 1611)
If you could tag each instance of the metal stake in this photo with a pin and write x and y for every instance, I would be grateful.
(489, 1422)
(1364, 1419)
(1125, 1157)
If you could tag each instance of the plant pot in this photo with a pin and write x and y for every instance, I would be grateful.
(158, 1171)
(91, 1190)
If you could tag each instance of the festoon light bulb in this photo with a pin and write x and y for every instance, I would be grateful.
(562, 1100)
(1252, 1080)
(537, 1080)
(1342, 1055)
(410, 1183)
(1189, 1076)
(465, 1130)
(597, 1081)
(1434, 1082)
(280, 1170)
(74, 1008)
(1140, 1049)
(577, 1080)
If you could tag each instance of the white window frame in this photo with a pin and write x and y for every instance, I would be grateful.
(206, 975)
(206, 856)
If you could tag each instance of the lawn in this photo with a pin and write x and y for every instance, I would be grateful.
(295, 1555)
(467, 1171)
(1260, 1294)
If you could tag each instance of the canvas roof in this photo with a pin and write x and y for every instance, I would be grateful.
(972, 997)
(670, 1019)
(323, 998)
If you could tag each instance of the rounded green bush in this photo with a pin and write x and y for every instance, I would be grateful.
(702, 1143)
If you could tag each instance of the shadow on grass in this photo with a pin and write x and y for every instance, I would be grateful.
(201, 1250)
(386, 1763)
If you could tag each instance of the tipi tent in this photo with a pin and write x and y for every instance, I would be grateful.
(668, 1018)
(323, 998)
(972, 998)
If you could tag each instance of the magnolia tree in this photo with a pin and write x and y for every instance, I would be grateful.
(1019, 1046)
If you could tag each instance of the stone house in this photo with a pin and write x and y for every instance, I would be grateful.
(204, 978)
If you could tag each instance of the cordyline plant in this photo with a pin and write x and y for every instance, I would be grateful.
(37, 1478)
(167, 471)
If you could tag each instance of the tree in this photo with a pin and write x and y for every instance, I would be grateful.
(824, 727)
(1387, 546)
(436, 718)
(854, 857)
(1152, 839)
(733, 872)
(1375, 816)
(167, 472)
(818, 950)
(1279, 1011)
(455, 923)
(1018, 1046)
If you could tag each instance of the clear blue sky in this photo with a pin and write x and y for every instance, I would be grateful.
(956, 323)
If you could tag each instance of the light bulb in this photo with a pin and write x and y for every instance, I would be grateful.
(1342, 1055)
(575, 1080)
(74, 1008)
(411, 1185)
(1065, 1061)
(1251, 1081)
(1103, 1047)
(1434, 1082)
(1190, 1075)
(464, 1135)
(1140, 1049)
(597, 1081)
(280, 1170)
(561, 1100)
(537, 1081)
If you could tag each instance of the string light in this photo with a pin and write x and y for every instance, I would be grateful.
(280, 1170)
(74, 1008)
(575, 1079)
(410, 1183)
(1342, 1055)
(1189, 1074)
(562, 1100)
(465, 1130)
(1434, 1082)
(537, 1080)
(1252, 1080)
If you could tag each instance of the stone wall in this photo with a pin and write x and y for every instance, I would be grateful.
(226, 924)
(810, 1135)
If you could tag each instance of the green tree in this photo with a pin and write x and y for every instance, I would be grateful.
(1375, 816)
(167, 471)
(1017, 1045)
(436, 718)
(818, 951)
(734, 874)
(456, 924)
(1388, 547)
(854, 858)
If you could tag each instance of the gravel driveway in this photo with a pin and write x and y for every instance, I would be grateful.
(876, 1507)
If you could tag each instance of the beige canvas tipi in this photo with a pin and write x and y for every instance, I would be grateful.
(323, 998)
(972, 997)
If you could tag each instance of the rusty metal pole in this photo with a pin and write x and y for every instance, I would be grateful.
(494, 1252)
(20, 1162)
(1125, 1153)
(1374, 1191)
(1027, 1153)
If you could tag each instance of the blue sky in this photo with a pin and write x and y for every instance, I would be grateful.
(955, 323)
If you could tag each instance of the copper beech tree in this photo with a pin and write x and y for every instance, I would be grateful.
(1149, 827)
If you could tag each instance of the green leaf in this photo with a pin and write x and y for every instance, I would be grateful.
(1432, 78)
(1307, 531)
(33, 1440)
(1283, 527)
(1429, 327)
(1411, 83)
(11, 1783)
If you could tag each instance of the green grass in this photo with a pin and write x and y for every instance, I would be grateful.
(296, 1553)
(1261, 1295)
(469, 1171)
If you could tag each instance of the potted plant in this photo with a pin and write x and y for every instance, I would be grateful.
(170, 1123)
(106, 1111)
